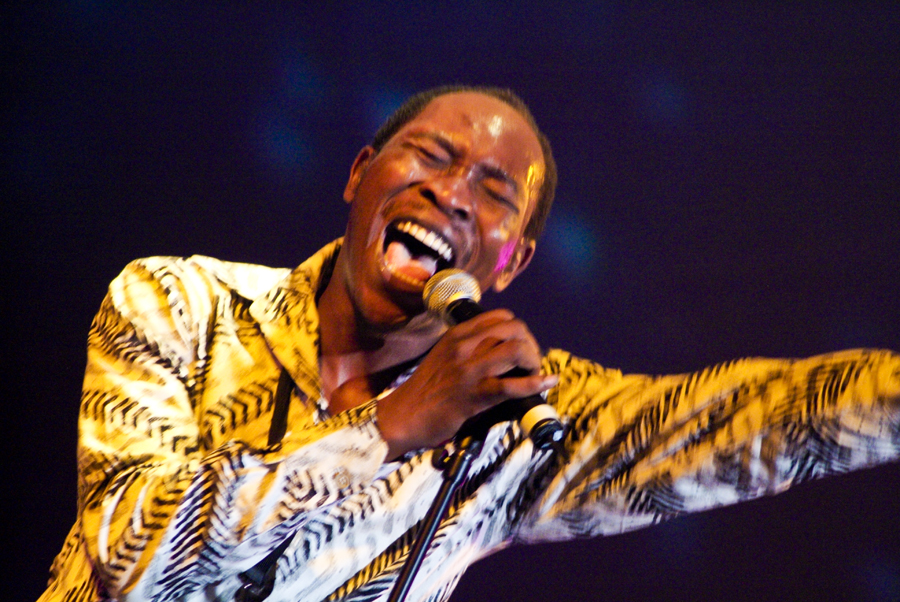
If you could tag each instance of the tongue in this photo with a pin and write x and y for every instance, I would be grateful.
(400, 261)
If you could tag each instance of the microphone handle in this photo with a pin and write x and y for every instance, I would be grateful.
(461, 310)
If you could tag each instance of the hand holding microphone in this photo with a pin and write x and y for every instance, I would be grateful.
(454, 295)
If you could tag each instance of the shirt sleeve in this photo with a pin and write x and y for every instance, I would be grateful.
(647, 448)
(163, 513)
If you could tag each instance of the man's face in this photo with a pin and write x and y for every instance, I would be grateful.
(454, 187)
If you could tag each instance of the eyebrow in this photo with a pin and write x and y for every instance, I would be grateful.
(492, 171)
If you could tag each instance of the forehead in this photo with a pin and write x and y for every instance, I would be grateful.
(483, 126)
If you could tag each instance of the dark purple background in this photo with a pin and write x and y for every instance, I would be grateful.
(729, 186)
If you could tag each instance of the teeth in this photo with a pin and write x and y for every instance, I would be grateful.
(432, 240)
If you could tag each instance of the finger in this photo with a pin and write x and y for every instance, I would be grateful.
(482, 322)
(497, 333)
(493, 390)
(498, 358)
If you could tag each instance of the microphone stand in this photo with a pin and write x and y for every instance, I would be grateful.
(470, 440)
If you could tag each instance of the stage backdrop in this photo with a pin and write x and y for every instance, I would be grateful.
(729, 186)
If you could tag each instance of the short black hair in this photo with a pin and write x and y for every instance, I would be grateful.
(414, 105)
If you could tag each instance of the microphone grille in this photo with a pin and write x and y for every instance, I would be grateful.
(447, 286)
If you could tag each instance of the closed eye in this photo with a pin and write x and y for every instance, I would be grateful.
(502, 198)
(500, 185)
(433, 149)
(431, 155)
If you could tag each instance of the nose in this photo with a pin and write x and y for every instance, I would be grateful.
(451, 194)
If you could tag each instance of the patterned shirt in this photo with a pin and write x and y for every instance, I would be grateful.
(179, 490)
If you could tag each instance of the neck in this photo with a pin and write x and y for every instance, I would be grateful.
(356, 354)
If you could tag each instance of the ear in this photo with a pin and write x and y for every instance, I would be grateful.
(517, 263)
(357, 171)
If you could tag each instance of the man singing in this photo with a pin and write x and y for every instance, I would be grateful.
(257, 433)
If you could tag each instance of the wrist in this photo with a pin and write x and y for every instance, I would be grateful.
(393, 428)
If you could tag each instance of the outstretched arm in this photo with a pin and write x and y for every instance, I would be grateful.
(649, 448)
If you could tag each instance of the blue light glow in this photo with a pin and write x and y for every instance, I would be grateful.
(663, 99)
(382, 102)
(571, 242)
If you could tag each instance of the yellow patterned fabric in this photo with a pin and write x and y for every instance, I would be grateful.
(179, 490)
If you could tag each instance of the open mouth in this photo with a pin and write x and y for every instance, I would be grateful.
(413, 253)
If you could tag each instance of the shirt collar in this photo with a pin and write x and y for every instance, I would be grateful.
(289, 319)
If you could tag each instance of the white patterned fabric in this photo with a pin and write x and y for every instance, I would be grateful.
(179, 491)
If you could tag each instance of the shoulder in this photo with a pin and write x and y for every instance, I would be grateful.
(175, 298)
(195, 276)
(246, 279)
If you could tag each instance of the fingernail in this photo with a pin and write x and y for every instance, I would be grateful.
(551, 381)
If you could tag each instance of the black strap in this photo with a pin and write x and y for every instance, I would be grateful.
(259, 579)
(278, 426)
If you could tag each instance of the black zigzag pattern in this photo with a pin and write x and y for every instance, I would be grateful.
(116, 410)
(115, 336)
(201, 532)
(234, 410)
(381, 573)
(88, 591)
(374, 498)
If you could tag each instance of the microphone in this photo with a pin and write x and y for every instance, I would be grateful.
(454, 295)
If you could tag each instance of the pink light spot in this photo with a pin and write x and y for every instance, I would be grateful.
(506, 254)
